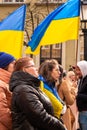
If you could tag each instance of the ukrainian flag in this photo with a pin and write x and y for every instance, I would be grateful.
(12, 32)
(59, 26)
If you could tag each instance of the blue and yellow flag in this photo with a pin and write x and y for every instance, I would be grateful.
(12, 32)
(59, 26)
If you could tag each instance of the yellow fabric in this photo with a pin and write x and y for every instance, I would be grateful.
(57, 105)
(58, 31)
(61, 30)
(11, 42)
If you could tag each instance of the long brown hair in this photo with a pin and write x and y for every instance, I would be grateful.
(46, 68)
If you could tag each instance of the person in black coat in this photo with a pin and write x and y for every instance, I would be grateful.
(81, 99)
(31, 108)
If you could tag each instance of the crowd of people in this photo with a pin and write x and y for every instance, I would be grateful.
(44, 98)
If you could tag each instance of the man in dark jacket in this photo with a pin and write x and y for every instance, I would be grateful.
(81, 71)
(31, 108)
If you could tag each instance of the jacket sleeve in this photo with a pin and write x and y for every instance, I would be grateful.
(30, 104)
(82, 97)
(5, 112)
(67, 95)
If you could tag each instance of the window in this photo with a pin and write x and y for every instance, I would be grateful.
(84, 1)
(13, 1)
(51, 52)
(57, 46)
(7, 1)
(46, 47)
(19, 0)
(51, 1)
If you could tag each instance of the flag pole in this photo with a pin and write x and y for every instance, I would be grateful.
(76, 50)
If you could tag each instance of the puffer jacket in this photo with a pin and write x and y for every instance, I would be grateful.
(5, 101)
(31, 108)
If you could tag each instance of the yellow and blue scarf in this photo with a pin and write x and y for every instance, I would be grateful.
(51, 92)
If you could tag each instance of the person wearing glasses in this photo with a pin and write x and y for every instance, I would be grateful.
(31, 108)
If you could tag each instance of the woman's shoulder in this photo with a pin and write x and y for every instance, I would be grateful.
(63, 84)
(3, 84)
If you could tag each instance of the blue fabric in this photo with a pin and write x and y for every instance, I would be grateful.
(51, 88)
(5, 59)
(14, 21)
(83, 120)
(69, 9)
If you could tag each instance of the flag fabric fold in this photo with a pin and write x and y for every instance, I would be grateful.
(12, 32)
(60, 25)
